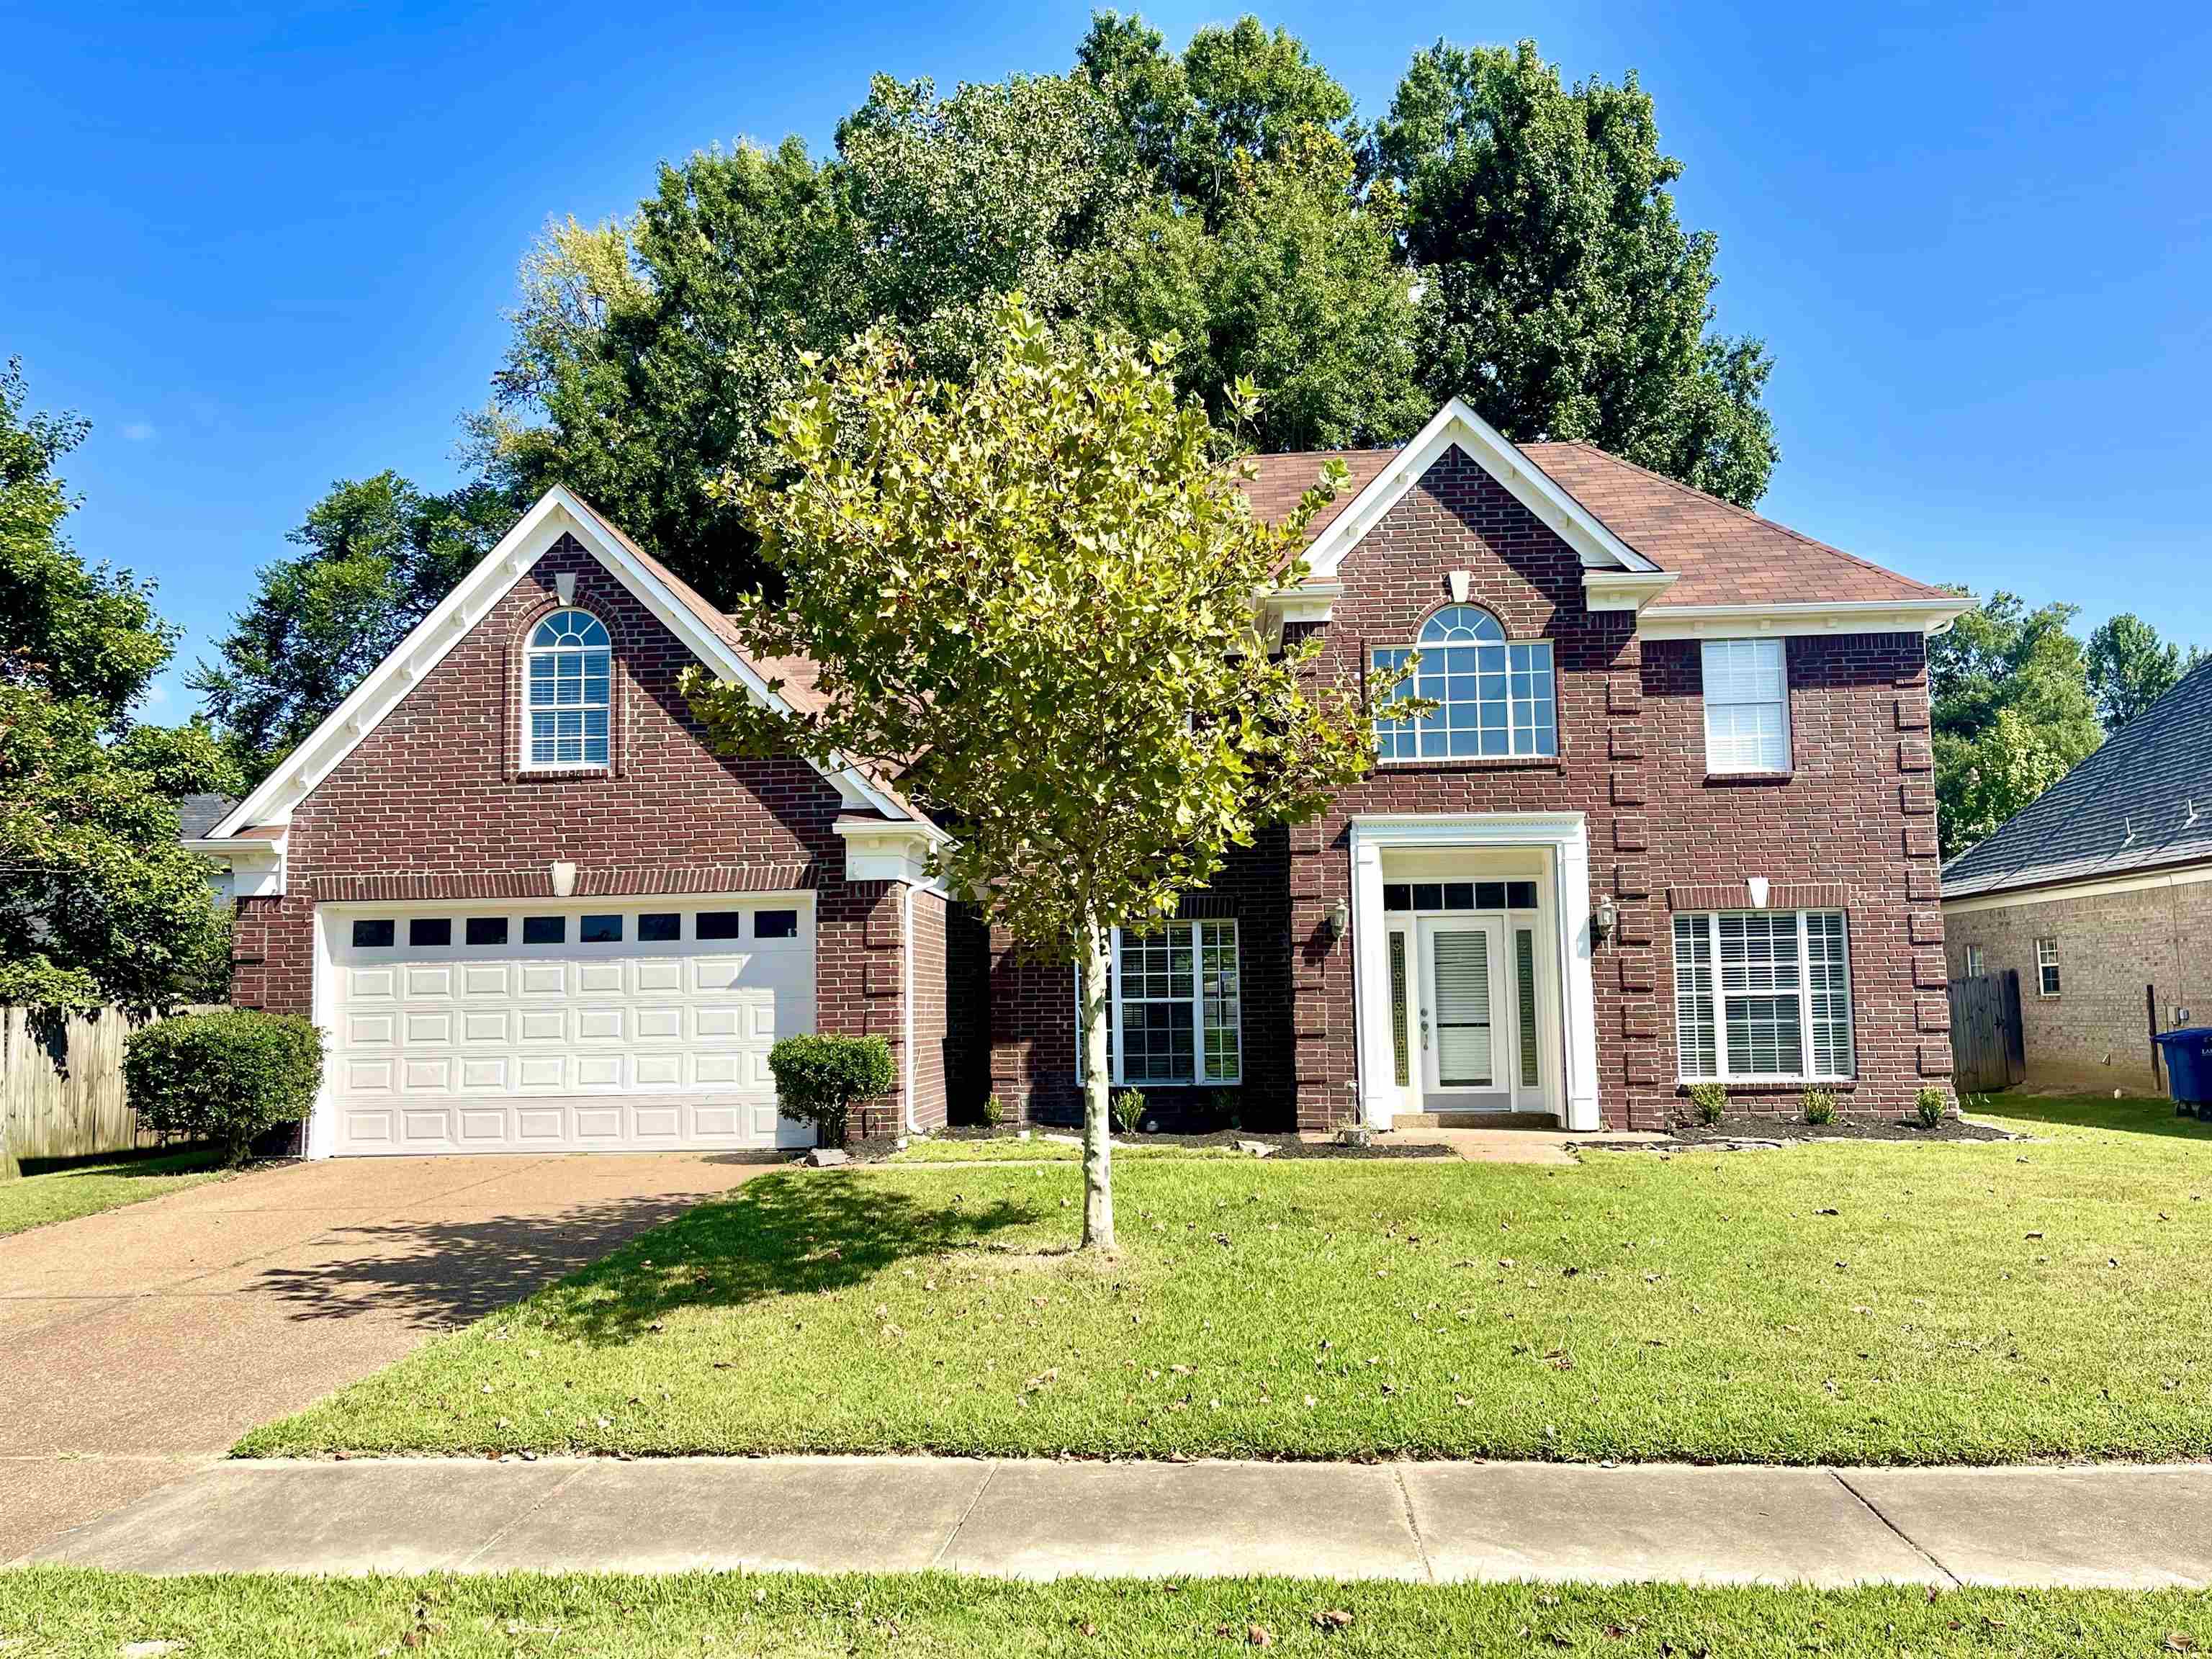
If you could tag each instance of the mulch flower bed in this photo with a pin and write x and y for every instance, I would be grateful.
(1756, 1131)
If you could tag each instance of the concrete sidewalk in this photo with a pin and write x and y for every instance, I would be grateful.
(2108, 1526)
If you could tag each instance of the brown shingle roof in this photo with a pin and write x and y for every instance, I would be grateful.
(1722, 554)
(798, 674)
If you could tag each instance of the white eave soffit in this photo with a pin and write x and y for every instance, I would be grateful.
(429, 642)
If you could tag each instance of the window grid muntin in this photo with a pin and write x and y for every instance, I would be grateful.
(1175, 1007)
(2046, 968)
(1787, 995)
(1497, 699)
(568, 691)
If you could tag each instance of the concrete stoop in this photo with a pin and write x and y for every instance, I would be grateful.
(2083, 1526)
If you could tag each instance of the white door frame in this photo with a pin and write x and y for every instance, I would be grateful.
(1563, 838)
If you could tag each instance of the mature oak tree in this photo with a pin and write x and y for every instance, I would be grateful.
(1031, 593)
(2130, 668)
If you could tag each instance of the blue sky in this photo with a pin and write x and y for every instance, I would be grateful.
(263, 251)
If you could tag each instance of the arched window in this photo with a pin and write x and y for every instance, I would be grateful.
(1492, 697)
(565, 690)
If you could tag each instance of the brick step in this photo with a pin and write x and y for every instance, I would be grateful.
(1473, 1121)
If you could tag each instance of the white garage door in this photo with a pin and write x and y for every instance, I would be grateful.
(606, 1025)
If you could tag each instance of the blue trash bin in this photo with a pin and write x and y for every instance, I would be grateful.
(2188, 1067)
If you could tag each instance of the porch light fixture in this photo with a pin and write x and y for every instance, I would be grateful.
(1604, 920)
(1339, 919)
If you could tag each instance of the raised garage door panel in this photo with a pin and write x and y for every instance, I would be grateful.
(554, 1045)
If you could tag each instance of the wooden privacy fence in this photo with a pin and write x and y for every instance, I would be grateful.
(1988, 1047)
(61, 1084)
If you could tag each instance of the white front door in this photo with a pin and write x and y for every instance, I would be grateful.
(1464, 1034)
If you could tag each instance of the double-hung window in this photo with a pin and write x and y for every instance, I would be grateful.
(1746, 706)
(1176, 1016)
(1762, 994)
(1492, 697)
(2046, 967)
(566, 690)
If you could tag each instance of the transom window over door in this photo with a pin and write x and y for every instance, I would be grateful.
(1493, 697)
(566, 690)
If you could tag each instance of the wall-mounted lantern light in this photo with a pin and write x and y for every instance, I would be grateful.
(1604, 920)
(1339, 919)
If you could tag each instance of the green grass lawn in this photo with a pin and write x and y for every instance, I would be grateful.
(88, 1188)
(50, 1612)
(1012, 1148)
(1849, 1302)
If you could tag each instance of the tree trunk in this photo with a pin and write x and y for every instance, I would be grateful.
(1097, 1122)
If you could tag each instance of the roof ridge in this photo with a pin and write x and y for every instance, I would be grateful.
(1727, 506)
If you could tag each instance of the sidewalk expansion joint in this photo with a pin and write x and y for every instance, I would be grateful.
(1413, 1524)
(990, 1473)
(1910, 1541)
(498, 1533)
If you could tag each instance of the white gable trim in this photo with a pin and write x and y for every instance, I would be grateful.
(429, 642)
(1455, 424)
(1714, 621)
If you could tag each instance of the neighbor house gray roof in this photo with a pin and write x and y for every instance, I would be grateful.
(2141, 801)
(198, 814)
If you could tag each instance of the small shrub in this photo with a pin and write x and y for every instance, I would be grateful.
(1709, 1101)
(818, 1079)
(1929, 1106)
(1127, 1111)
(226, 1078)
(994, 1111)
(1226, 1106)
(1820, 1106)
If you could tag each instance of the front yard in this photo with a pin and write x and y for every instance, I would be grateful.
(54, 1613)
(1859, 1303)
(61, 1194)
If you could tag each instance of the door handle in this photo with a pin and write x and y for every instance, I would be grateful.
(1424, 1028)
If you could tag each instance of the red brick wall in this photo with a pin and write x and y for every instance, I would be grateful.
(434, 801)
(929, 1010)
(1857, 810)
(1856, 815)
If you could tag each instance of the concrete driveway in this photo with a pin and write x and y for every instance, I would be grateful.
(137, 1345)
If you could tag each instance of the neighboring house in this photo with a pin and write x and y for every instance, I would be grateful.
(1674, 822)
(2098, 895)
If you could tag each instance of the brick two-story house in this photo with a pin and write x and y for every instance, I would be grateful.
(1672, 821)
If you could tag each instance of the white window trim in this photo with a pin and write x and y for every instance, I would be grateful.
(1416, 649)
(1198, 1079)
(1800, 1078)
(531, 653)
(2049, 961)
(1704, 685)
(1976, 963)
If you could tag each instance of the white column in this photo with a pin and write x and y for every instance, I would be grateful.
(1371, 987)
(1579, 1015)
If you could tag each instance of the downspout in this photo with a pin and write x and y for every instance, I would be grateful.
(905, 1000)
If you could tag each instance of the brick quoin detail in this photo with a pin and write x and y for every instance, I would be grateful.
(431, 804)
(1834, 834)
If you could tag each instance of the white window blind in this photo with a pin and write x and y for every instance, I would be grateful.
(1762, 994)
(1746, 706)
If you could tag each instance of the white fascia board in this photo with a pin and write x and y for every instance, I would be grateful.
(2081, 887)
(1456, 424)
(429, 642)
(1625, 590)
(876, 850)
(1715, 621)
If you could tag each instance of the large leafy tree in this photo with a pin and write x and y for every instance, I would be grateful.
(377, 556)
(1031, 592)
(1296, 289)
(2130, 668)
(1561, 296)
(99, 901)
(2011, 713)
